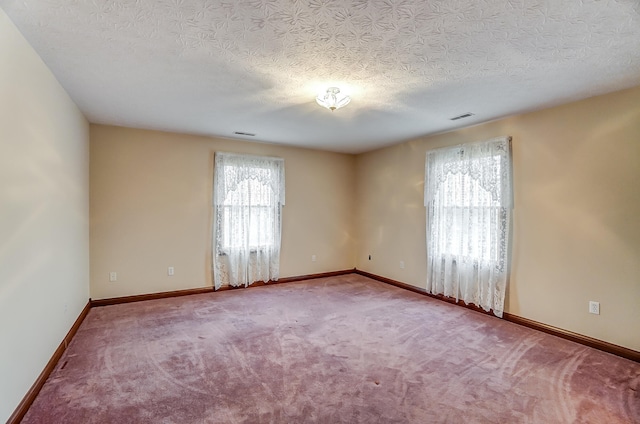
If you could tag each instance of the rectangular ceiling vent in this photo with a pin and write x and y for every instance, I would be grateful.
(244, 133)
(464, 115)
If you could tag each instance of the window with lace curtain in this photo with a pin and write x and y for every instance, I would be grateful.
(256, 201)
(248, 199)
(468, 200)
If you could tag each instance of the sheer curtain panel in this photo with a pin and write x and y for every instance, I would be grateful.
(248, 196)
(468, 199)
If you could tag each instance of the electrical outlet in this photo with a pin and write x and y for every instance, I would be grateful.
(313, 258)
(113, 277)
(401, 264)
(170, 271)
(594, 307)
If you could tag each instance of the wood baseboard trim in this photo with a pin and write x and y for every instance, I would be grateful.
(423, 292)
(575, 337)
(201, 290)
(549, 329)
(28, 398)
(150, 296)
(292, 279)
(315, 276)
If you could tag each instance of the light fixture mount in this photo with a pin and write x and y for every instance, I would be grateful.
(332, 99)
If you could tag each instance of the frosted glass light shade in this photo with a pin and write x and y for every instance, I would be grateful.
(332, 99)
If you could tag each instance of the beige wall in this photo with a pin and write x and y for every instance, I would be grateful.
(151, 209)
(576, 228)
(576, 232)
(44, 215)
(576, 216)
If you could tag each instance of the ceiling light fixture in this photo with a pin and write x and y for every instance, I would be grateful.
(332, 100)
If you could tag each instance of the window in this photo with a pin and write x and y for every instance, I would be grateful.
(249, 204)
(465, 206)
(248, 199)
(468, 196)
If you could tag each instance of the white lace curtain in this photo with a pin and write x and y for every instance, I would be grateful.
(468, 199)
(248, 196)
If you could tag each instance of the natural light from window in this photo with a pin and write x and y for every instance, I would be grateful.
(255, 199)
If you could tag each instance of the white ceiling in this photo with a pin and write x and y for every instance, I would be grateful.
(215, 67)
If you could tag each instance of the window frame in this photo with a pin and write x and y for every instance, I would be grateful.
(223, 249)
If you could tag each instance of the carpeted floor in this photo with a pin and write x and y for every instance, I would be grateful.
(336, 350)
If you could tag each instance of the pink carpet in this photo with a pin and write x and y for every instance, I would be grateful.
(338, 350)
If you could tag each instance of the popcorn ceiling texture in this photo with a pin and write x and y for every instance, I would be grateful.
(215, 67)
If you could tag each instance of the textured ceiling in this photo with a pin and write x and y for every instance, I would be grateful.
(214, 67)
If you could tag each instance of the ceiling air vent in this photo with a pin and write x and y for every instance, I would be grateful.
(244, 133)
(464, 115)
